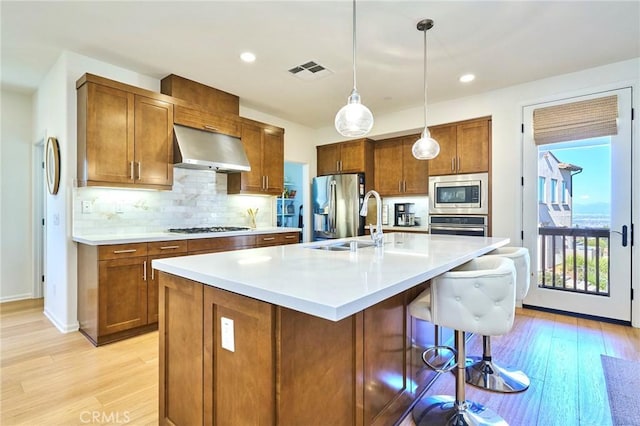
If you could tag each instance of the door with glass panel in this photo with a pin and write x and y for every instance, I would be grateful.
(577, 204)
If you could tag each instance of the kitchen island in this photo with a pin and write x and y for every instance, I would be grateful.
(301, 334)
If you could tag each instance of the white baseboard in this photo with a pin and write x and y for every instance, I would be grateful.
(68, 328)
(16, 297)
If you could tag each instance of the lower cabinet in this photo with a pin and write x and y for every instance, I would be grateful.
(118, 288)
(284, 367)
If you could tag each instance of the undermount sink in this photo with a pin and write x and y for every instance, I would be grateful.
(343, 246)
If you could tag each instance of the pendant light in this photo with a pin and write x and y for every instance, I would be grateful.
(354, 119)
(425, 148)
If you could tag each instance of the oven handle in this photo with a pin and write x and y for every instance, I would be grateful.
(458, 228)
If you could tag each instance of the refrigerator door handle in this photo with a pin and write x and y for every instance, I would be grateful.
(332, 206)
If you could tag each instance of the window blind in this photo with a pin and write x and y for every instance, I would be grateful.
(576, 120)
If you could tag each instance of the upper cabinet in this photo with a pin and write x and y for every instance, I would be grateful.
(200, 96)
(464, 147)
(264, 145)
(397, 170)
(213, 122)
(125, 135)
(346, 157)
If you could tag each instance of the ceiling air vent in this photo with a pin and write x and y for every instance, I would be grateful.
(310, 71)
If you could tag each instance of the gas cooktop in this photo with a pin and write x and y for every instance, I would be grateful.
(208, 229)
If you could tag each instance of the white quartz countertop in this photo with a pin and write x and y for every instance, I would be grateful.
(105, 239)
(331, 284)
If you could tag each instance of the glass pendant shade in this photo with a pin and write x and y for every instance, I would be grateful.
(425, 148)
(354, 119)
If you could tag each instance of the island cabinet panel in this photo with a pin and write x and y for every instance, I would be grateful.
(180, 353)
(240, 379)
(319, 363)
(284, 367)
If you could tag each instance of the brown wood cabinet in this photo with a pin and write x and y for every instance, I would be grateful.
(346, 157)
(124, 135)
(118, 288)
(203, 97)
(397, 170)
(465, 147)
(264, 145)
(286, 367)
(219, 123)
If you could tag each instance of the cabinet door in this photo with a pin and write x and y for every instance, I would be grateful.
(152, 287)
(473, 147)
(388, 165)
(219, 123)
(110, 135)
(153, 141)
(273, 161)
(252, 141)
(416, 172)
(352, 157)
(328, 157)
(445, 162)
(240, 379)
(122, 294)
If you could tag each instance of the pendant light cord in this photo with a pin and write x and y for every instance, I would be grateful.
(425, 78)
(354, 44)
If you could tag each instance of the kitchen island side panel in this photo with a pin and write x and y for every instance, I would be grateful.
(284, 367)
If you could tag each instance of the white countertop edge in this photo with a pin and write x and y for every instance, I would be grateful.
(329, 312)
(106, 239)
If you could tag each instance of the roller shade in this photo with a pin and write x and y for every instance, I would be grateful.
(576, 120)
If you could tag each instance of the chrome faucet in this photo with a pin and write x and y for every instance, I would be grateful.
(376, 236)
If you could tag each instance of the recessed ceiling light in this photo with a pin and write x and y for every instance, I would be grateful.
(248, 57)
(467, 78)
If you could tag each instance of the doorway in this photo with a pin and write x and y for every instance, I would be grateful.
(577, 208)
(290, 210)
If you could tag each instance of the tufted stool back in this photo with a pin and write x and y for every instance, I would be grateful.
(520, 257)
(477, 297)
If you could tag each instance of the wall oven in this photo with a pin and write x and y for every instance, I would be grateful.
(459, 194)
(473, 226)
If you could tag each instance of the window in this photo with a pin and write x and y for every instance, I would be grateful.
(554, 191)
(541, 187)
(563, 194)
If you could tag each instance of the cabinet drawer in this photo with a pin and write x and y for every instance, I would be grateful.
(277, 239)
(219, 123)
(166, 247)
(221, 243)
(117, 251)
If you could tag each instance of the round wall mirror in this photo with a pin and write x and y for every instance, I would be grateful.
(52, 165)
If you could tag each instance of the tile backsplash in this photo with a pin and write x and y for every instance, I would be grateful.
(198, 198)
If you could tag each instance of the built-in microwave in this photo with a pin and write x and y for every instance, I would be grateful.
(459, 194)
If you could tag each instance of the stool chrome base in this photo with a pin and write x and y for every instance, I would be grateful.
(487, 375)
(441, 410)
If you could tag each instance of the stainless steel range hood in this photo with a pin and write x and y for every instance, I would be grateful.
(199, 149)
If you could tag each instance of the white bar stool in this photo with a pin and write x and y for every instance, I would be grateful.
(477, 297)
(482, 371)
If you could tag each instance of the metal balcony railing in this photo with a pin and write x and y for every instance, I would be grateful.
(574, 259)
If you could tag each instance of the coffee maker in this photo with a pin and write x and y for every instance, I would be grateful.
(404, 214)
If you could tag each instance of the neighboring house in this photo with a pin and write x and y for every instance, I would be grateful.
(554, 190)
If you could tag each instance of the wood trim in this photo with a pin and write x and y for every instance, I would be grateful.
(92, 78)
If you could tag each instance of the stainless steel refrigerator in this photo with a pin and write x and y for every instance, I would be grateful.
(336, 206)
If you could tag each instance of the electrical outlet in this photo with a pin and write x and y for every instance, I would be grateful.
(226, 328)
(86, 207)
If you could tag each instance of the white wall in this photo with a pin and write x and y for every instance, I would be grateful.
(505, 106)
(16, 212)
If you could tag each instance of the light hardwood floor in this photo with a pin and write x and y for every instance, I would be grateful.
(48, 378)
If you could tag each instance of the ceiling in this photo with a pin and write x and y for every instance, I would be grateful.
(502, 43)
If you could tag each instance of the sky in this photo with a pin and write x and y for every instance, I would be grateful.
(593, 184)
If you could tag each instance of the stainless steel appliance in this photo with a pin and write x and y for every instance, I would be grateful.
(473, 226)
(459, 194)
(337, 200)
